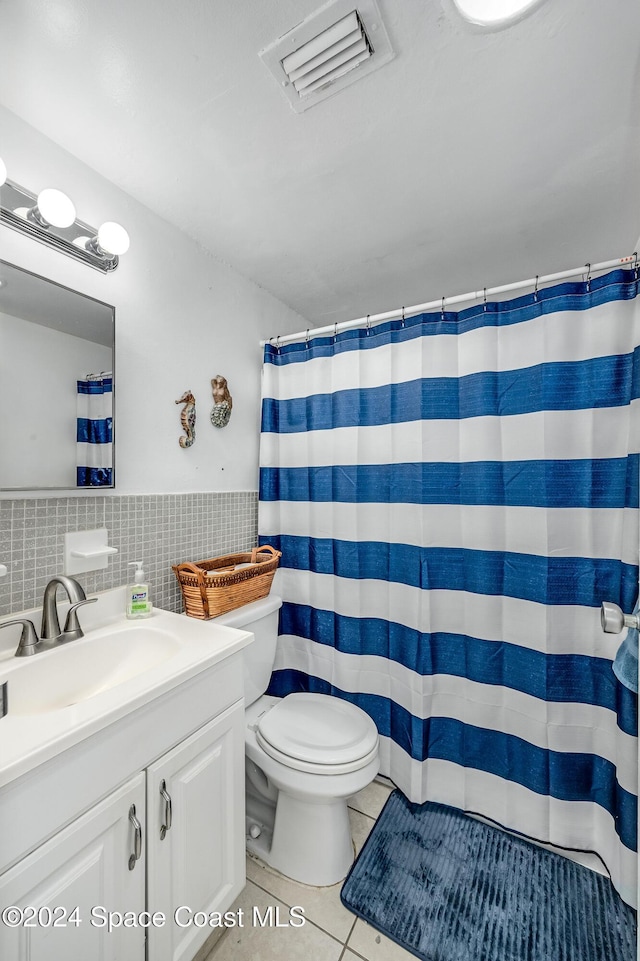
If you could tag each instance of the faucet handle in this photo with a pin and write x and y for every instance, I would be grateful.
(72, 630)
(28, 639)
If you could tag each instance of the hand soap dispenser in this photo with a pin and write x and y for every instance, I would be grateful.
(138, 602)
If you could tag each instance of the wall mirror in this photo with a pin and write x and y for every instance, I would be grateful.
(56, 385)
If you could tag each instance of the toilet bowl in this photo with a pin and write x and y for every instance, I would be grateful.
(306, 754)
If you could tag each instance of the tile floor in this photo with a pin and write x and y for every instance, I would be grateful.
(330, 932)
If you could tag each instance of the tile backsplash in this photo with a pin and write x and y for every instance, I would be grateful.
(157, 529)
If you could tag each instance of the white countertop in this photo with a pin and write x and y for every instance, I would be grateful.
(28, 739)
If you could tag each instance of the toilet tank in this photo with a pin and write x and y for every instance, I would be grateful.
(260, 617)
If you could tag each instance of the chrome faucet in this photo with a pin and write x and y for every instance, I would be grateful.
(51, 635)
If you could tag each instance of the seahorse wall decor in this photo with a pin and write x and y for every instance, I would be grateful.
(188, 418)
(222, 401)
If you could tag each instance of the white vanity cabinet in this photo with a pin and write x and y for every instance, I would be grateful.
(62, 886)
(68, 831)
(195, 834)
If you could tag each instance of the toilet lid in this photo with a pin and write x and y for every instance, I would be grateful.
(317, 729)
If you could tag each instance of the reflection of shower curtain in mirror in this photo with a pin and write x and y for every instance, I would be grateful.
(94, 431)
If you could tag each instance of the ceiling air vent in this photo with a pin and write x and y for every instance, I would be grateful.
(329, 50)
(328, 56)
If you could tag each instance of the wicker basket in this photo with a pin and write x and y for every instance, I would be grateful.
(223, 583)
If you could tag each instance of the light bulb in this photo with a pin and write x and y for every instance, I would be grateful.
(113, 238)
(55, 207)
(3, 171)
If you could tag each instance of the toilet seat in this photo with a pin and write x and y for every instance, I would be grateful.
(318, 733)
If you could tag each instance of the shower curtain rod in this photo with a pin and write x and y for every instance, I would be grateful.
(443, 302)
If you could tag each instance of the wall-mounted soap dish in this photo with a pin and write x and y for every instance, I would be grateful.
(87, 551)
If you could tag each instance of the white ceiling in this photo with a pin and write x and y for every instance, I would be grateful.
(475, 157)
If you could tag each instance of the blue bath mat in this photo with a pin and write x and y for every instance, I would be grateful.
(449, 888)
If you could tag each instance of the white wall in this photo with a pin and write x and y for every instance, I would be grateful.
(181, 318)
(39, 368)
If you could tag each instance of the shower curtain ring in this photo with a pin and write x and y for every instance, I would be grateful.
(278, 343)
(335, 331)
(535, 290)
(484, 306)
(588, 266)
(306, 339)
(402, 321)
(368, 324)
(442, 310)
(635, 265)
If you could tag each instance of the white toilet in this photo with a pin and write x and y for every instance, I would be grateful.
(305, 755)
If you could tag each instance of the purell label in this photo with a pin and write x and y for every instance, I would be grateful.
(139, 598)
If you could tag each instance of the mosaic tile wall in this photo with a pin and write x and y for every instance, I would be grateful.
(158, 529)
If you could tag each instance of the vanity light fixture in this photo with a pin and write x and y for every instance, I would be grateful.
(53, 209)
(110, 241)
(50, 217)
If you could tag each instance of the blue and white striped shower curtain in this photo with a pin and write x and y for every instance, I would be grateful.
(453, 498)
(95, 432)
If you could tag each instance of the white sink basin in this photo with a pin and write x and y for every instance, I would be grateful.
(60, 696)
(76, 671)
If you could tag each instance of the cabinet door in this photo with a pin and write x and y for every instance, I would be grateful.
(197, 863)
(84, 867)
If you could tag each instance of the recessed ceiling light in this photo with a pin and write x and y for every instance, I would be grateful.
(493, 12)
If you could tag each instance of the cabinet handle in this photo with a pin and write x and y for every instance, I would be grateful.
(137, 841)
(168, 810)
